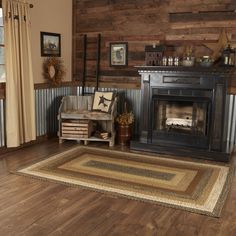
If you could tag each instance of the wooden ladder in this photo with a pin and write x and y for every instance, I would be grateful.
(85, 74)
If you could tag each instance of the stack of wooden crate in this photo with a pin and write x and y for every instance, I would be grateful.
(77, 128)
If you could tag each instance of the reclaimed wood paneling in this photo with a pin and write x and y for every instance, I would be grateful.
(203, 16)
(141, 23)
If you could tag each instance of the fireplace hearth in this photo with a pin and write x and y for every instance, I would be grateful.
(184, 111)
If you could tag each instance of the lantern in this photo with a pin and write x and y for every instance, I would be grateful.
(228, 56)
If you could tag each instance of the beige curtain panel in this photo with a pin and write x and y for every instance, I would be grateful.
(20, 104)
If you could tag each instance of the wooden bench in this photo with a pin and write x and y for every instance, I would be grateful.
(78, 122)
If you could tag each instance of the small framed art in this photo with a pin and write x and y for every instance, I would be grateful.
(50, 44)
(118, 54)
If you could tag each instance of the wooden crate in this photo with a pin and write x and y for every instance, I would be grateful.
(76, 128)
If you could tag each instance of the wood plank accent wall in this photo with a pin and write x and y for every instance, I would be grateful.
(143, 23)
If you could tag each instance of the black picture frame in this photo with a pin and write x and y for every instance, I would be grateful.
(119, 54)
(50, 44)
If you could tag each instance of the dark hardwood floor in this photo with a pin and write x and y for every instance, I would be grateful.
(35, 207)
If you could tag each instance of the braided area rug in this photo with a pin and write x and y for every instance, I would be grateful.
(193, 186)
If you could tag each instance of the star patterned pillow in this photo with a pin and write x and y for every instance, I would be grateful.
(102, 101)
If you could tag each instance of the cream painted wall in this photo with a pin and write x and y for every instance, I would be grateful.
(51, 16)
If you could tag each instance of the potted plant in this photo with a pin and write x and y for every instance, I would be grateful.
(124, 122)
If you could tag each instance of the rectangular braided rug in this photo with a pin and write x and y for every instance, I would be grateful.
(194, 186)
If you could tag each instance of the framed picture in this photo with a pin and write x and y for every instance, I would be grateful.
(50, 44)
(118, 54)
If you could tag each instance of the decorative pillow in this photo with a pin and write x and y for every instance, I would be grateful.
(102, 101)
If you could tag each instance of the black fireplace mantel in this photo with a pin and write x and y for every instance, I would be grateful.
(204, 87)
(187, 69)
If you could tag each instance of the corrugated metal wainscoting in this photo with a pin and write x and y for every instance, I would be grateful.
(232, 120)
(48, 102)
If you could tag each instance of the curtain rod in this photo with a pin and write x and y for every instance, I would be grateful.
(30, 5)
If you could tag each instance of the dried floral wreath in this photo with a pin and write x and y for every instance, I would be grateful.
(53, 70)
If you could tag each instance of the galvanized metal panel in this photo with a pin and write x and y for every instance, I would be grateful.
(47, 103)
(232, 120)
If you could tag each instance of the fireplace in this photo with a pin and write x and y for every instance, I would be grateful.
(180, 119)
(184, 111)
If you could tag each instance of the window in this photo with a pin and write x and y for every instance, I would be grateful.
(2, 61)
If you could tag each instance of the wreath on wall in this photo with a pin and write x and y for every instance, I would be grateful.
(54, 70)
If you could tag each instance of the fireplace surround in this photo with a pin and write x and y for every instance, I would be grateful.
(184, 112)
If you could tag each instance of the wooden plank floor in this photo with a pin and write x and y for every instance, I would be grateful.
(35, 207)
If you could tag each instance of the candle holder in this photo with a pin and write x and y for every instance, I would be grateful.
(228, 56)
